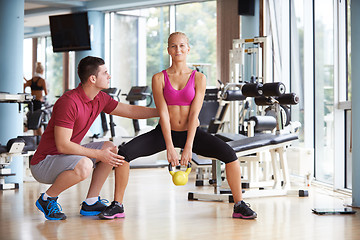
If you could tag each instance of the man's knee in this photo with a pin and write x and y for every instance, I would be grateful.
(84, 168)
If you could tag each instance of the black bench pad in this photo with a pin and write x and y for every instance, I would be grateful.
(260, 141)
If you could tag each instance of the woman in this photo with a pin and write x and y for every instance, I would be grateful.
(38, 86)
(178, 93)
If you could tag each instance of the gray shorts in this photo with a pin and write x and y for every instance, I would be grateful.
(48, 169)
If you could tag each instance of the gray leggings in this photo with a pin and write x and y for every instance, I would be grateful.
(48, 169)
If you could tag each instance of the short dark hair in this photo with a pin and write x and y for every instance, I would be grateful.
(89, 66)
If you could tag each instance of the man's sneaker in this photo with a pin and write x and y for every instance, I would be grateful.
(115, 210)
(94, 209)
(51, 208)
(243, 210)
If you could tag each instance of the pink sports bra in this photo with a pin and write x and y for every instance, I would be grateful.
(181, 97)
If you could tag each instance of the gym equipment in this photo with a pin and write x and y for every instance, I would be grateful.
(138, 93)
(286, 99)
(180, 178)
(247, 149)
(13, 147)
(40, 117)
(323, 211)
(277, 145)
(252, 89)
(15, 98)
(267, 89)
(19, 98)
(209, 107)
(273, 89)
(114, 93)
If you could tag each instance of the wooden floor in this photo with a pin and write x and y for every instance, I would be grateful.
(156, 209)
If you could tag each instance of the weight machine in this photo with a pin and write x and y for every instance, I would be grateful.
(114, 93)
(14, 146)
(138, 93)
(253, 95)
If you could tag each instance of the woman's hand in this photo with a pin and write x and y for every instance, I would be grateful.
(172, 156)
(186, 156)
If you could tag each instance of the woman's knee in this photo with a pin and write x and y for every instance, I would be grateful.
(234, 163)
(84, 168)
(108, 144)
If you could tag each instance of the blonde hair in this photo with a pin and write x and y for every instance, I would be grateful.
(181, 34)
(39, 67)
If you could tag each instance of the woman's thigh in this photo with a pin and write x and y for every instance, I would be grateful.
(208, 145)
(143, 145)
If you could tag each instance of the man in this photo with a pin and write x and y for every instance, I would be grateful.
(60, 160)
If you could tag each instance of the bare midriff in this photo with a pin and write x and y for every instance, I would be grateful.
(179, 116)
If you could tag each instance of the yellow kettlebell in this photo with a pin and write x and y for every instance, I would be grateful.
(180, 177)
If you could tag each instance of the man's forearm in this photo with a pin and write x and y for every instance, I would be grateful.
(141, 112)
(72, 148)
(134, 111)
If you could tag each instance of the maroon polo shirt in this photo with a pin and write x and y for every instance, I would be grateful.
(76, 111)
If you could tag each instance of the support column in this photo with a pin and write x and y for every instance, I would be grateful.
(228, 28)
(250, 25)
(97, 41)
(250, 28)
(11, 68)
(355, 75)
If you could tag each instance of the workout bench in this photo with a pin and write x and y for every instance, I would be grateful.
(272, 95)
(13, 147)
(277, 145)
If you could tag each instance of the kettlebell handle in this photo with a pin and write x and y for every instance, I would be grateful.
(170, 167)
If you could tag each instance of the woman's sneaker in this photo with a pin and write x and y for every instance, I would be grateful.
(51, 208)
(115, 210)
(243, 210)
(94, 209)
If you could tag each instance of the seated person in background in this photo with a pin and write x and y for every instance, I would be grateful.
(178, 93)
(60, 160)
(38, 87)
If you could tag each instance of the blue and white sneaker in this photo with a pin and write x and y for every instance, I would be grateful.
(94, 209)
(51, 208)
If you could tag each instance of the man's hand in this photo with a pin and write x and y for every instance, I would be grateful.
(108, 156)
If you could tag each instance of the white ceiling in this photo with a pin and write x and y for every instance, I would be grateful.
(37, 12)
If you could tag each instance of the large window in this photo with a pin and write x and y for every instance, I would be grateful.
(321, 76)
(298, 16)
(157, 30)
(53, 63)
(348, 34)
(198, 21)
(53, 72)
(27, 59)
(348, 156)
(127, 51)
(324, 90)
(138, 47)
